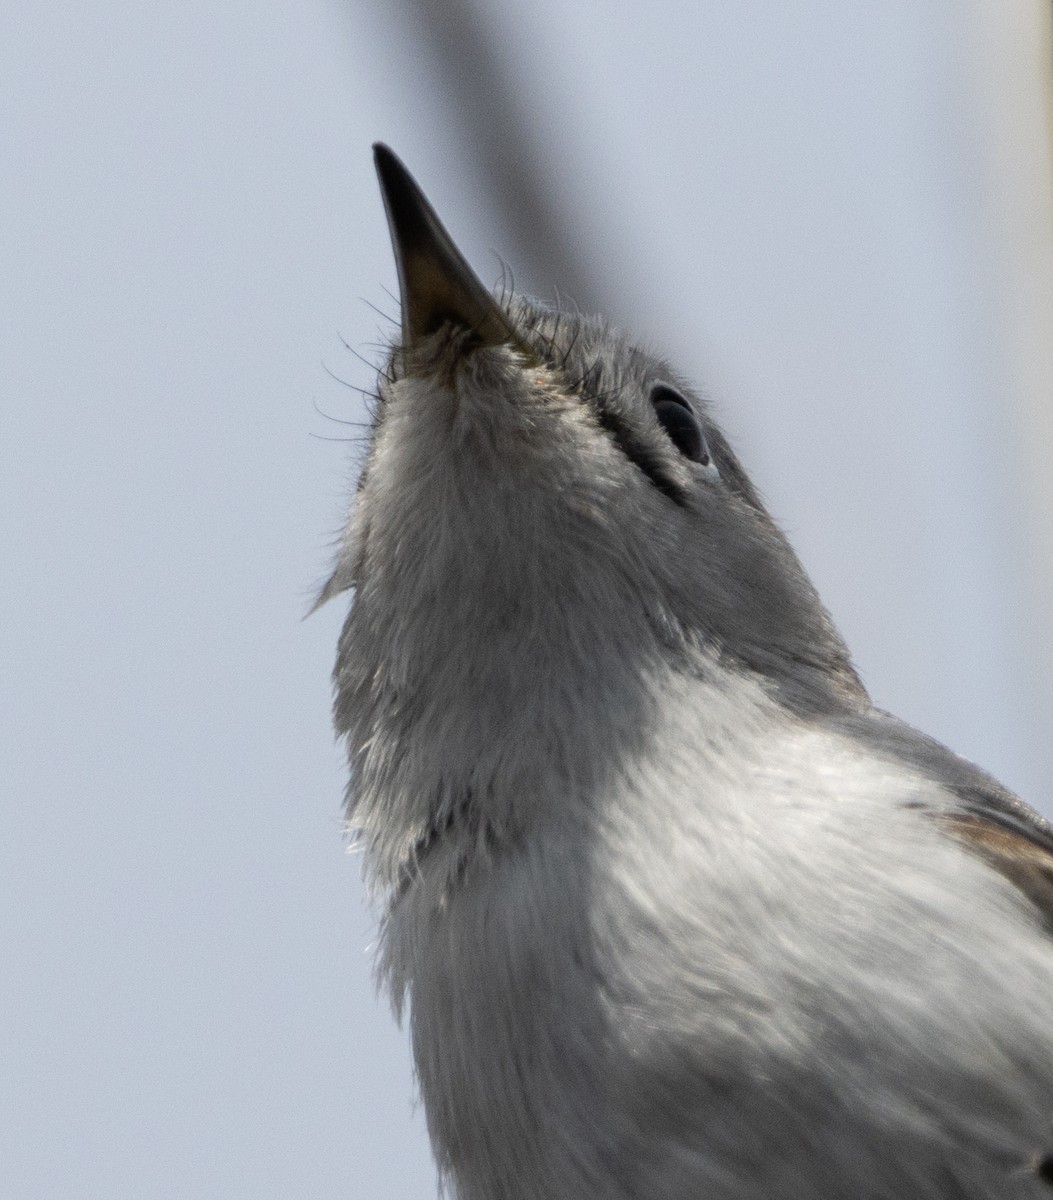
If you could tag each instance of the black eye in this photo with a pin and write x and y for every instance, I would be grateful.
(678, 419)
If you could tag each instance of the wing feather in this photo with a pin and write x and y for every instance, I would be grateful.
(981, 814)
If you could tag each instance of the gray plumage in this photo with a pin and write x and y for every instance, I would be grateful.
(677, 913)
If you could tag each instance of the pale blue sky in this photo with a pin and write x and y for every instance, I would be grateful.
(787, 199)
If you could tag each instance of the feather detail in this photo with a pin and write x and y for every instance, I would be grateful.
(1024, 856)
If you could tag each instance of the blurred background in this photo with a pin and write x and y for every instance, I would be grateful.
(837, 218)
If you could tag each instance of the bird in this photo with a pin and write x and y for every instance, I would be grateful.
(673, 910)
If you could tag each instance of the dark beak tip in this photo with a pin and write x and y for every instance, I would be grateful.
(383, 155)
(391, 170)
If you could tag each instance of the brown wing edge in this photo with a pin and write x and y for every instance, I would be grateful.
(1025, 861)
(984, 817)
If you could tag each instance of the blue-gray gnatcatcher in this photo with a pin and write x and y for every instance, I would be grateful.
(679, 915)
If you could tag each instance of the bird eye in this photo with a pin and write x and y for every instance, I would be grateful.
(678, 419)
